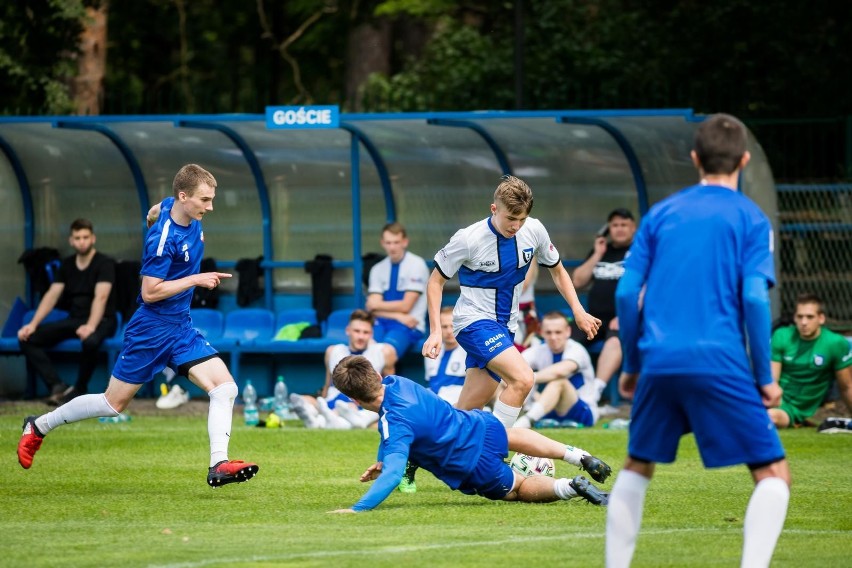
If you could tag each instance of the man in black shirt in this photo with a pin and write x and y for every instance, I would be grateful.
(82, 287)
(602, 270)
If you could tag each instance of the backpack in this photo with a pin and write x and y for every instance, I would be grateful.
(206, 297)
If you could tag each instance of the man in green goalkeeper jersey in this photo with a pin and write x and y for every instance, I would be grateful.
(806, 358)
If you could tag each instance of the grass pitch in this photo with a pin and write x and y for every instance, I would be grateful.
(134, 494)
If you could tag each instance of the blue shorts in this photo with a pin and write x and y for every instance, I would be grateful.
(725, 413)
(580, 413)
(492, 477)
(483, 340)
(151, 343)
(399, 335)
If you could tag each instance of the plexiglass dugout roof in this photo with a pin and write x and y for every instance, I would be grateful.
(288, 195)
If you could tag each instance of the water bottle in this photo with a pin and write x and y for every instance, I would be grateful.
(121, 417)
(617, 424)
(250, 413)
(282, 404)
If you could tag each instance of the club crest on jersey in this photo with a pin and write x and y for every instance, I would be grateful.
(528, 254)
(819, 360)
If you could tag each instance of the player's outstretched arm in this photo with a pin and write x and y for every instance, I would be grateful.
(388, 478)
(156, 289)
(587, 323)
(434, 293)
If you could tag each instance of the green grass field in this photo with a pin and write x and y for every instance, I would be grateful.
(134, 494)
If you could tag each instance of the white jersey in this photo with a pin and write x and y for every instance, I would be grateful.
(540, 357)
(373, 353)
(491, 270)
(446, 368)
(393, 281)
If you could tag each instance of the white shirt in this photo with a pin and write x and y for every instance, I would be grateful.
(491, 270)
(373, 353)
(413, 276)
(540, 357)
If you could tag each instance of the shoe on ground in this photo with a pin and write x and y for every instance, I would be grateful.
(174, 398)
(70, 394)
(234, 471)
(835, 425)
(595, 467)
(407, 485)
(29, 443)
(608, 410)
(58, 393)
(589, 492)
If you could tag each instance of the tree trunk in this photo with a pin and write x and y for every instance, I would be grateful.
(369, 51)
(87, 88)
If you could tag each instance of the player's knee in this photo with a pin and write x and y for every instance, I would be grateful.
(225, 391)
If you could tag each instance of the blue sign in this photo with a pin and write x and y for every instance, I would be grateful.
(303, 116)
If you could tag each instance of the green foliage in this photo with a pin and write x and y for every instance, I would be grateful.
(38, 45)
(460, 67)
(133, 494)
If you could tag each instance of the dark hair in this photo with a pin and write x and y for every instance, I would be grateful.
(81, 224)
(189, 178)
(810, 298)
(355, 377)
(720, 143)
(620, 212)
(362, 315)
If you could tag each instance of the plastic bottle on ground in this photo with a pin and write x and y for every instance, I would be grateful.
(114, 419)
(617, 424)
(282, 400)
(250, 412)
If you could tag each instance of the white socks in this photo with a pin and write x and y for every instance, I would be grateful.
(219, 418)
(333, 420)
(78, 408)
(562, 488)
(624, 517)
(599, 387)
(573, 455)
(358, 418)
(506, 414)
(764, 520)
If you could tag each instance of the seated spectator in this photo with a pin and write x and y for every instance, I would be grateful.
(806, 358)
(396, 295)
(566, 368)
(82, 287)
(333, 410)
(528, 324)
(446, 373)
(601, 272)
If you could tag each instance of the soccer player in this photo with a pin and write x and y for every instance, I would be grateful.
(704, 259)
(806, 358)
(83, 286)
(334, 410)
(160, 331)
(395, 295)
(492, 258)
(564, 366)
(464, 449)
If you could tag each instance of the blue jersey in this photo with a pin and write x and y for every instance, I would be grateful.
(172, 252)
(413, 421)
(693, 252)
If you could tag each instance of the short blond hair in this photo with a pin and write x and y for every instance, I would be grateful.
(189, 178)
(515, 195)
